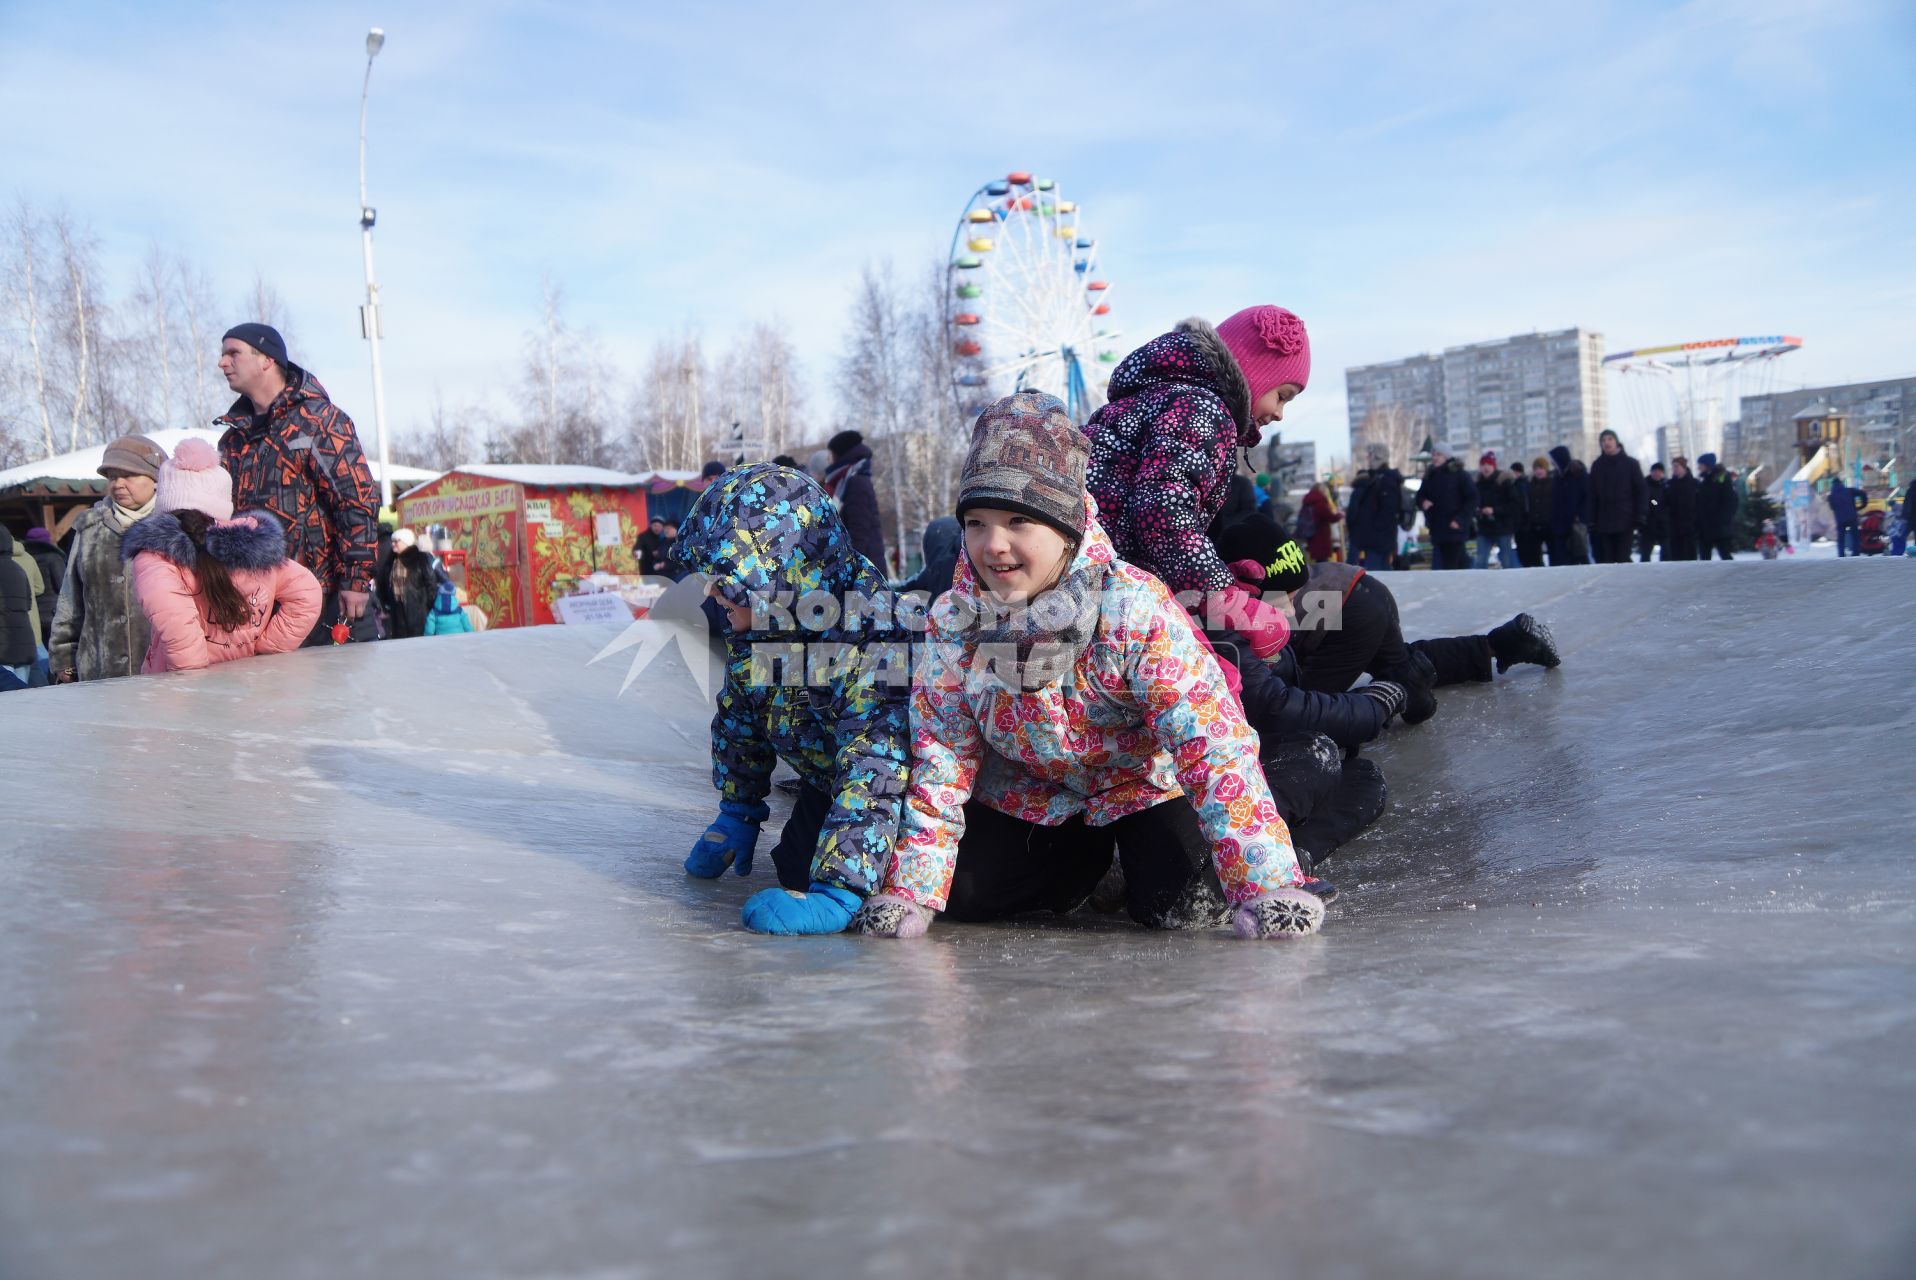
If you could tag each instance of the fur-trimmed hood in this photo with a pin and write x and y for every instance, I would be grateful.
(253, 540)
(1226, 376)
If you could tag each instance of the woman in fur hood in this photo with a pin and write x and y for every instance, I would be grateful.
(1164, 449)
(1063, 707)
(214, 588)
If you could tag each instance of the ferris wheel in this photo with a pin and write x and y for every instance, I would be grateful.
(1028, 307)
(1687, 386)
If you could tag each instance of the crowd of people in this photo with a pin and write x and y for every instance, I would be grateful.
(1557, 511)
(266, 543)
(1096, 692)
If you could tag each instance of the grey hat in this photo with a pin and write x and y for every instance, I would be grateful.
(1445, 449)
(134, 454)
(1027, 456)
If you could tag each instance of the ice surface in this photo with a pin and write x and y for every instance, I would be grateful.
(380, 962)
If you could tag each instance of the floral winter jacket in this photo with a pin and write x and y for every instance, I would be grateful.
(829, 701)
(305, 467)
(1163, 453)
(284, 595)
(1142, 718)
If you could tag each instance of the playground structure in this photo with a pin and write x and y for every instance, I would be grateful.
(1028, 306)
(1686, 387)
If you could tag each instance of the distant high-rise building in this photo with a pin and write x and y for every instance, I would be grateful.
(1518, 396)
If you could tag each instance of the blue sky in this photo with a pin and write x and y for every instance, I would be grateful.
(1404, 176)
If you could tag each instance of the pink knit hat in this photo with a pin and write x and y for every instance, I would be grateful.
(193, 480)
(1271, 347)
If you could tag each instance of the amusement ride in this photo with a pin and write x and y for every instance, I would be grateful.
(1028, 306)
(1686, 386)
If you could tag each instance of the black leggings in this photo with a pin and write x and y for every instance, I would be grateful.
(1008, 867)
(798, 842)
(1371, 641)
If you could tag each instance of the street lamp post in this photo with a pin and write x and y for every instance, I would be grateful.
(369, 320)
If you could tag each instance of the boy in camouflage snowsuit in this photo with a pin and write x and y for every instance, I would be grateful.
(817, 676)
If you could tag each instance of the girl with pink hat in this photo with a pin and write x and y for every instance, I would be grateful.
(213, 587)
(1164, 449)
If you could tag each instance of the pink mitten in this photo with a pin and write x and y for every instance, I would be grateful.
(1264, 627)
(886, 915)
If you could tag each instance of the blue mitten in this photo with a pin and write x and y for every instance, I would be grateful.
(825, 909)
(730, 840)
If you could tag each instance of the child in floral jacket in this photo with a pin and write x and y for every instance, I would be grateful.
(1062, 705)
(823, 691)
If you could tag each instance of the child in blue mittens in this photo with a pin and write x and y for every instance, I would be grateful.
(817, 676)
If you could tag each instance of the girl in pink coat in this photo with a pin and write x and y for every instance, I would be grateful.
(213, 587)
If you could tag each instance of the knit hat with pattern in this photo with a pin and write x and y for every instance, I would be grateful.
(1271, 347)
(193, 480)
(1027, 456)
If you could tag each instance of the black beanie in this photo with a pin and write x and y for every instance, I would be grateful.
(1258, 537)
(263, 338)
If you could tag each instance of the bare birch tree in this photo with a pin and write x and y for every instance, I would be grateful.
(1398, 430)
(894, 386)
(670, 427)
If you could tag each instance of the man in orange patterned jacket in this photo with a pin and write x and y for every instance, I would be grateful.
(293, 453)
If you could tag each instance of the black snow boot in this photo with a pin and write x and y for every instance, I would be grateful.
(1523, 639)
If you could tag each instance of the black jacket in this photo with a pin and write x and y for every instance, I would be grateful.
(648, 548)
(1453, 502)
(1679, 505)
(1499, 493)
(1617, 497)
(408, 590)
(1569, 493)
(1537, 504)
(850, 483)
(1371, 518)
(944, 541)
(1279, 709)
(18, 644)
(1656, 517)
(1716, 507)
(53, 571)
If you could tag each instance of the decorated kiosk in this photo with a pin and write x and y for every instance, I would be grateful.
(521, 538)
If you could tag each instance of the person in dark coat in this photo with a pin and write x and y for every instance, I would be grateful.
(19, 640)
(944, 539)
(1449, 502)
(1164, 447)
(1371, 522)
(649, 547)
(1618, 500)
(1499, 510)
(1569, 515)
(849, 481)
(1533, 533)
(409, 588)
(1842, 500)
(1679, 511)
(1656, 520)
(53, 571)
(1716, 502)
